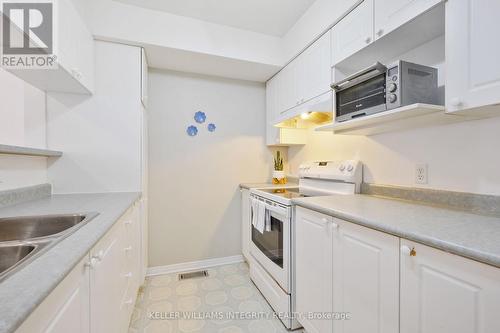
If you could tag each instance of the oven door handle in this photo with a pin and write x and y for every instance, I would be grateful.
(360, 76)
(278, 210)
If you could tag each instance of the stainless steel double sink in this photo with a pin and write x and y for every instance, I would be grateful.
(24, 238)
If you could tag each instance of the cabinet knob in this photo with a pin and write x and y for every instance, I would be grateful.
(128, 248)
(129, 302)
(99, 255)
(368, 40)
(407, 251)
(335, 226)
(380, 32)
(128, 275)
(128, 222)
(91, 263)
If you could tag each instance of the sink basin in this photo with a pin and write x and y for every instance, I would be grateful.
(22, 228)
(12, 255)
(22, 239)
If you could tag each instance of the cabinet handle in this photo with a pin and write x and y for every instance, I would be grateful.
(335, 226)
(91, 264)
(129, 302)
(368, 40)
(99, 255)
(380, 32)
(128, 248)
(128, 222)
(128, 275)
(407, 251)
(324, 220)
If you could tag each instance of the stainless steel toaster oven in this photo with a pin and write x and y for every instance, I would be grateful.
(379, 88)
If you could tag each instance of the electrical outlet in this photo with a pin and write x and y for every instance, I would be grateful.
(421, 174)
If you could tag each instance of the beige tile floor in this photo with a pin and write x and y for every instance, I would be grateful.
(213, 299)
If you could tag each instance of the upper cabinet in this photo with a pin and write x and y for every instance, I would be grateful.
(74, 52)
(391, 14)
(472, 66)
(353, 32)
(302, 86)
(374, 19)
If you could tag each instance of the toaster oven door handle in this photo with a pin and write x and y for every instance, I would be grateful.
(360, 76)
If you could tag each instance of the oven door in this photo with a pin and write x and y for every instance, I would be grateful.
(271, 248)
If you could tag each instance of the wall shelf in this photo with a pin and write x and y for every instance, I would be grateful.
(27, 151)
(403, 118)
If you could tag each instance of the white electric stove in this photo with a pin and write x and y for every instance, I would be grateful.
(272, 249)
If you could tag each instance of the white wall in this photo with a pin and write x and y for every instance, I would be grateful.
(100, 135)
(193, 181)
(22, 123)
(461, 157)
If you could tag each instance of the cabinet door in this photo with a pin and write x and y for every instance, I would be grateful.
(445, 293)
(314, 78)
(472, 66)
(246, 216)
(353, 32)
(66, 309)
(272, 111)
(287, 87)
(107, 283)
(365, 279)
(313, 268)
(391, 14)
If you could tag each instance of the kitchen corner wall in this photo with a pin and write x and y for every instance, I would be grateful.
(194, 196)
(460, 157)
(22, 123)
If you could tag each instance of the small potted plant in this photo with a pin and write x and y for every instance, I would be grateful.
(278, 173)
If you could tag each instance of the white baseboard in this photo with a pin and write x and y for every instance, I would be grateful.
(193, 265)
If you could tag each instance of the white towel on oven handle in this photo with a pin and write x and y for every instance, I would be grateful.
(258, 215)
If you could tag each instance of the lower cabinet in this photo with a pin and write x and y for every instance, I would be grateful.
(99, 294)
(246, 223)
(313, 269)
(348, 271)
(445, 293)
(365, 279)
(67, 308)
(387, 284)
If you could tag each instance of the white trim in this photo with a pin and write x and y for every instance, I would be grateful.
(193, 265)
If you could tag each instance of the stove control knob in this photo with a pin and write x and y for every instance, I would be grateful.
(350, 168)
(342, 167)
(393, 98)
(392, 87)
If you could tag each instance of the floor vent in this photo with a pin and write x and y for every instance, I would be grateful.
(193, 275)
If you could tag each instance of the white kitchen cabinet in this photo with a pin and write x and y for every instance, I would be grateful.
(472, 66)
(107, 281)
(442, 292)
(74, 53)
(313, 268)
(66, 309)
(279, 136)
(391, 14)
(353, 32)
(314, 69)
(246, 223)
(365, 279)
(345, 268)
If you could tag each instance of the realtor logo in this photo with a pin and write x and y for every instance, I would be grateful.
(28, 34)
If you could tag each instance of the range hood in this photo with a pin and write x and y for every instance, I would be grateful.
(315, 112)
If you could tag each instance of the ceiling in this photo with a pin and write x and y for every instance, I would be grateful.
(271, 17)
